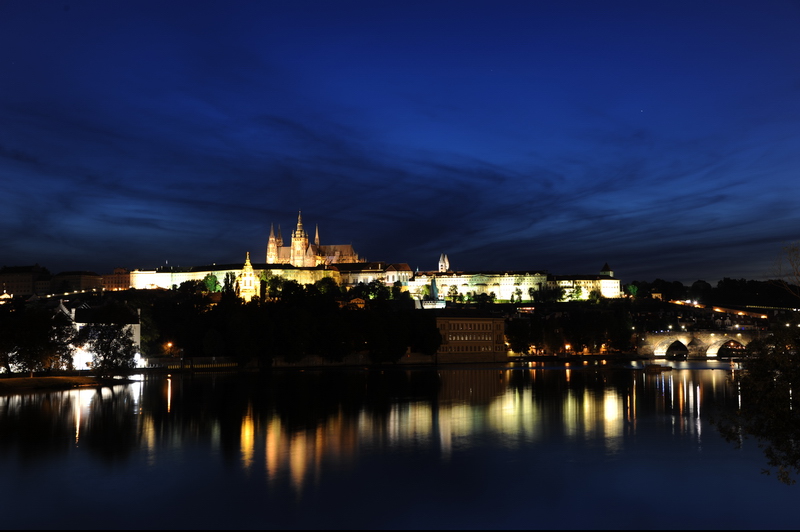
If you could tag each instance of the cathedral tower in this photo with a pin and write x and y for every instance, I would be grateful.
(444, 263)
(299, 244)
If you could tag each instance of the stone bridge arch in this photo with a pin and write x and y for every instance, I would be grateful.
(699, 344)
(661, 345)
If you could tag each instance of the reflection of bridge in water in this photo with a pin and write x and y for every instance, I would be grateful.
(693, 344)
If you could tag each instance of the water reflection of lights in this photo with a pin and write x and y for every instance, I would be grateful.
(247, 435)
(517, 413)
(83, 400)
(612, 406)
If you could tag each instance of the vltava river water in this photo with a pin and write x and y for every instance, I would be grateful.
(562, 446)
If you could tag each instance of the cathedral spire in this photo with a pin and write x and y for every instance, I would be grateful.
(444, 263)
(299, 243)
(316, 235)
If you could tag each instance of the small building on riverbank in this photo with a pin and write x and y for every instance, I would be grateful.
(470, 336)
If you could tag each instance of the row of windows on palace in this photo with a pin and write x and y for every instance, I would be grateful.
(35, 280)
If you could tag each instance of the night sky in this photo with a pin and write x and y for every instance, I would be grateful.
(660, 137)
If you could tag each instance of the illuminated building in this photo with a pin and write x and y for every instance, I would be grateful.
(249, 283)
(167, 278)
(367, 272)
(604, 283)
(521, 285)
(503, 285)
(120, 279)
(302, 253)
(307, 262)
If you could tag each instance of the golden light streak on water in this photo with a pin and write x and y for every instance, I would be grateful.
(272, 453)
(247, 438)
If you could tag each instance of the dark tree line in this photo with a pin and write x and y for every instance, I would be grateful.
(730, 292)
(578, 324)
(292, 321)
(38, 338)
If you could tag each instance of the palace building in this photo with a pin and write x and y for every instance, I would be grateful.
(307, 261)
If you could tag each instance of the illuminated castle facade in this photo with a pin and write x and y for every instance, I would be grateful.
(302, 253)
(307, 261)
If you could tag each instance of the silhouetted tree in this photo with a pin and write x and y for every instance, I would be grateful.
(35, 339)
(770, 404)
(112, 347)
(519, 334)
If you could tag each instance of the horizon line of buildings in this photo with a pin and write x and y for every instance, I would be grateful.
(306, 262)
(37, 281)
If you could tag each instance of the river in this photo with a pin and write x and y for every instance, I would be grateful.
(557, 446)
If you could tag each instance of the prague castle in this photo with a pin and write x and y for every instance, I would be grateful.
(307, 262)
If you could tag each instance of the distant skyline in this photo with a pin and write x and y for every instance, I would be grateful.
(660, 137)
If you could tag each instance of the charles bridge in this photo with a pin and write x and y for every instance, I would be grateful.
(693, 344)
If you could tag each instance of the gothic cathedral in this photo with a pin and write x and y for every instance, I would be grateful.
(301, 253)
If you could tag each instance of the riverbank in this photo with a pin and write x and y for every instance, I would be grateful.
(14, 385)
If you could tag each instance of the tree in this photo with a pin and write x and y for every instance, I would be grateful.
(112, 347)
(36, 339)
(192, 287)
(274, 283)
(770, 407)
(229, 284)
(452, 293)
(424, 292)
(700, 291)
(632, 290)
(211, 283)
(787, 269)
(425, 335)
(328, 286)
(669, 291)
(518, 332)
(387, 337)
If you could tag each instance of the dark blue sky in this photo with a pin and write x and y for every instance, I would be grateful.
(660, 137)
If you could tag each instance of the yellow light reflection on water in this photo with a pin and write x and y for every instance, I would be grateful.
(248, 440)
(298, 459)
(612, 405)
